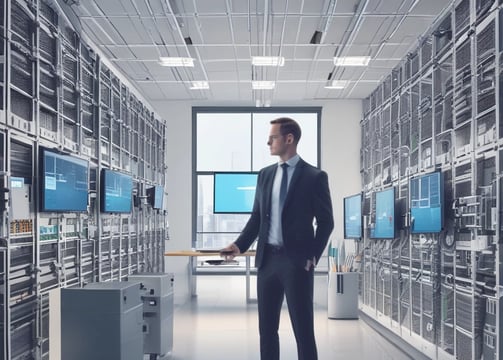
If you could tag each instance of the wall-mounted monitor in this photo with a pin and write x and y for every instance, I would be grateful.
(353, 217)
(116, 192)
(384, 225)
(64, 182)
(233, 192)
(426, 203)
(155, 196)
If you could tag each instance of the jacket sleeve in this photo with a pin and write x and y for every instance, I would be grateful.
(252, 227)
(249, 233)
(323, 214)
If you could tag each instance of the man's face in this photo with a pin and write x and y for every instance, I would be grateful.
(277, 142)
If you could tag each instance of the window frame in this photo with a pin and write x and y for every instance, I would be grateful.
(245, 109)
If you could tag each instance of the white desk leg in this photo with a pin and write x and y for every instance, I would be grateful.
(247, 278)
(192, 277)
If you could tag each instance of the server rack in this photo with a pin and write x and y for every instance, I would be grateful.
(448, 91)
(57, 92)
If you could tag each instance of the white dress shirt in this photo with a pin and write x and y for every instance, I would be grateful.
(275, 233)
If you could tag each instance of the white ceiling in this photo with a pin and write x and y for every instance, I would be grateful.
(225, 34)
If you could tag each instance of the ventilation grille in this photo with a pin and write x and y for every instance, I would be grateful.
(486, 42)
(21, 160)
(21, 105)
(21, 26)
(462, 17)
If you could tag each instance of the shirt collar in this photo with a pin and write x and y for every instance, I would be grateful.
(292, 162)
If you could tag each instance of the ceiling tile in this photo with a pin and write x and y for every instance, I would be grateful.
(209, 7)
(346, 6)
(109, 7)
(216, 30)
(314, 7)
(430, 7)
(134, 34)
(218, 52)
(337, 29)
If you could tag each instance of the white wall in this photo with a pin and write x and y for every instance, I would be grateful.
(340, 149)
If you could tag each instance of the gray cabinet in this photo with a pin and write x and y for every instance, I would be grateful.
(157, 297)
(102, 321)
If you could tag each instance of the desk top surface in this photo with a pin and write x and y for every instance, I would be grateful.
(202, 253)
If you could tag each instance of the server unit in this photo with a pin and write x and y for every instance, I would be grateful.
(102, 321)
(157, 296)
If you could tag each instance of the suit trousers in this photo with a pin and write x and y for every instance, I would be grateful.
(277, 278)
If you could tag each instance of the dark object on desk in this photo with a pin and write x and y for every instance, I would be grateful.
(221, 262)
(214, 262)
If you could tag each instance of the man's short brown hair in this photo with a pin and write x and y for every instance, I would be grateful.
(288, 126)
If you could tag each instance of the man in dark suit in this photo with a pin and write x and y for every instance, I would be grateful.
(288, 199)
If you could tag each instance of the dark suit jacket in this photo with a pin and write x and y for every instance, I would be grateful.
(308, 198)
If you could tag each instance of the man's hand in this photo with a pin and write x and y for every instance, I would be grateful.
(311, 263)
(230, 251)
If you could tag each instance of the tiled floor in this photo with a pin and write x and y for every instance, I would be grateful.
(219, 324)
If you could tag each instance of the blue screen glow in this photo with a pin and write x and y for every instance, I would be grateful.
(234, 192)
(65, 182)
(116, 191)
(426, 206)
(155, 196)
(353, 217)
(384, 215)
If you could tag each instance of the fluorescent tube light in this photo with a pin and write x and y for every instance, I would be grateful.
(263, 85)
(199, 85)
(352, 61)
(176, 61)
(268, 60)
(337, 84)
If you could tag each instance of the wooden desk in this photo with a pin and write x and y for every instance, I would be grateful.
(192, 254)
(202, 253)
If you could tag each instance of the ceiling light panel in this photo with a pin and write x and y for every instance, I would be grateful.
(352, 61)
(268, 60)
(263, 85)
(176, 61)
(199, 85)
(337, 84)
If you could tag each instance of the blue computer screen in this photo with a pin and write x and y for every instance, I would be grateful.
(426, 207)
(234, 193)
(116, 192)
(353, 217)
(65, 182)
(384, 227)
(155, 196)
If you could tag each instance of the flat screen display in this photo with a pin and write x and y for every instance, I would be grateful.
(353, 217)
(234, 193)
(426, 203)
(65, 182)
(384, 226)
(116, 192)
(155, 196)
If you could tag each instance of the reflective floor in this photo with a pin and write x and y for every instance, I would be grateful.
(218, 324)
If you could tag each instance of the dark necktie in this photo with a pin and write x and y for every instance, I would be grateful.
(284, 185)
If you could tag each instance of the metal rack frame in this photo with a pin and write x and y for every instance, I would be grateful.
(73, 101)
(444, 287)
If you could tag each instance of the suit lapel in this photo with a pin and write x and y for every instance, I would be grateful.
(268, 185)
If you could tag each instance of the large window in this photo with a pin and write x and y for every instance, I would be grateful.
(235, 140)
